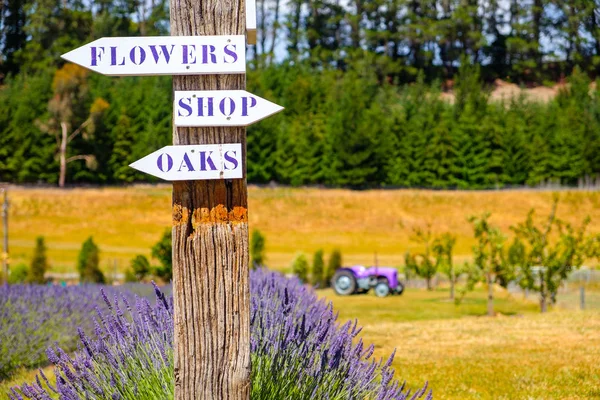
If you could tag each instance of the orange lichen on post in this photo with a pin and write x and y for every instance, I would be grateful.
(181, 215)
(219, 214)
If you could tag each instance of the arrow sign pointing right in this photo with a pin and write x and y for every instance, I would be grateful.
(194, 162)
(221, 108)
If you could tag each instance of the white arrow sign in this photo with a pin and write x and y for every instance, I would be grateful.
(194, 162)
(220, 108)
(163, 55)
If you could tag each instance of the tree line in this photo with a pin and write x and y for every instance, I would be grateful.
(521, 40)
(360, 85)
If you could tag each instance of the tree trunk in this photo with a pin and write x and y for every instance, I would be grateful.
(543, 297)
(490, 304)
(429, 286)
(210, 238)
(63, 154)
(452, 280)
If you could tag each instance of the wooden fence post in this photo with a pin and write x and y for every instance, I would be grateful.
(210, 237)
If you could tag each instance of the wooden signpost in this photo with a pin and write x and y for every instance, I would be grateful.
(207, 162)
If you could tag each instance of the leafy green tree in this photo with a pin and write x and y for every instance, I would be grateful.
(300, 267)
(543, 263)
(138, 270)
(442, 249)
(318, 267)
(423, 264)
(88, 263)
(67, 110)
(257, 249)
(163, 252)
(39, 263)
(334, 263)
(489, 258)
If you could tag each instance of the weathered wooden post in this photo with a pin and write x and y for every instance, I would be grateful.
(206, 55)
(210, 237)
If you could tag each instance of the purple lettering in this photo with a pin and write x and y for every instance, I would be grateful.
(113, 57)
(97, 53)
(204, 159)
(187, 162)
(230, 53)
(231, 106)
(209, 106)
(160, 162)
(189, 57)
(142, 55)
(245, 105)
(206, 53)
(186, 107)
(163, 50)
(230, 159)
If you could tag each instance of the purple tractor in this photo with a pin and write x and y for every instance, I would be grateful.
(360, 279)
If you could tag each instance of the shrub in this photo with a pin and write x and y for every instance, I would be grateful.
(18, 274)
(138, 270)
(335, 262)
(88, 263)
(317, 269)
(300, 267)
(257, 249)
(298, 349)
(39, 263)
(163, 252)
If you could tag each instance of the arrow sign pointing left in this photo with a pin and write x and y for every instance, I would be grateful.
(163, 55)
(220, 108)
(194, 162)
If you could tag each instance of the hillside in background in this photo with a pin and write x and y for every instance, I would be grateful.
(128, 221)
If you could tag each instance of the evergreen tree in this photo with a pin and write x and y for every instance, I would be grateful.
(318, 267)
(139, 268)
(88, 263)
(335, 262)
(163, 252)
(39, 263)
(257, 249)
(300, 267)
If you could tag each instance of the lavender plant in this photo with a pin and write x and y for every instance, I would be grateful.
(299, 351)
(33, 317)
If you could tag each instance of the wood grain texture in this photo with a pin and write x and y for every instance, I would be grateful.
(210, 238)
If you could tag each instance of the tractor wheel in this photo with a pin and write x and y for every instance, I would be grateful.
(382, 288)
(344, 283)
(399, 289)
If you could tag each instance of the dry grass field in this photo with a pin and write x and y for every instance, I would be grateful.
(519, 354)
(128, 221)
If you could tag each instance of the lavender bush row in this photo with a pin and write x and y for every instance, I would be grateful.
(32, 317)
(299, 351)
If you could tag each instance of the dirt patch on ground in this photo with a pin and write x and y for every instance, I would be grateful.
(506, 91)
